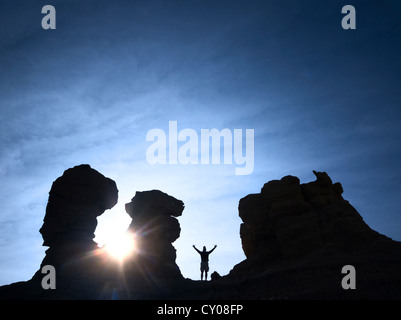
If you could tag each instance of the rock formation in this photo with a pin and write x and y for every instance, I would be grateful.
(296, 237)
(155, 227)
(289, 219)
(76, 199)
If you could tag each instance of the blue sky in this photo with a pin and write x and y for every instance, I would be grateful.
(318, 98)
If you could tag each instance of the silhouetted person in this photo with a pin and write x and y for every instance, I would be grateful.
(204, 266)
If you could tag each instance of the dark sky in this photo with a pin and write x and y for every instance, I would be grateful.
(317, 97)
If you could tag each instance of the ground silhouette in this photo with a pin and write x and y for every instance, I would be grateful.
(296, 237)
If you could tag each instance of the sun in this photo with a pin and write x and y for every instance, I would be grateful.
(121, 246)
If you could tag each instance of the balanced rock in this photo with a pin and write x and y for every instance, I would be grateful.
(156, 228)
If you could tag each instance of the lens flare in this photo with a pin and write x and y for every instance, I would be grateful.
(121, 246)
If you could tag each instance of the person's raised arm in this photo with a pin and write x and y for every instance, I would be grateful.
(215, 246)
(196, 249)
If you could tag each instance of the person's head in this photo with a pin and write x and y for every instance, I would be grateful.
(204, 248)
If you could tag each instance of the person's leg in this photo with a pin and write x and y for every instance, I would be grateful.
(206, 268)
(201, 275)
